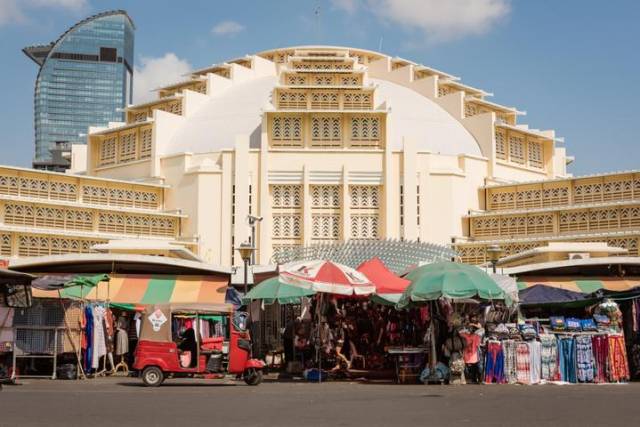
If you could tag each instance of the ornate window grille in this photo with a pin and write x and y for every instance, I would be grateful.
(107, 151)
(286, 131)
(326, 131)
(365, 131)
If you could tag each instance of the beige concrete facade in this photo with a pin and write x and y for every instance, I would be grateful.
(325, 144)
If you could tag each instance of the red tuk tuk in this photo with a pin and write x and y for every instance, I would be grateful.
(157, 356)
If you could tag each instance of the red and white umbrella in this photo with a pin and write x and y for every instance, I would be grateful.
(328, 277)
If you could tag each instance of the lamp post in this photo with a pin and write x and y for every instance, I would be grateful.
(246, 250)
(494, 251)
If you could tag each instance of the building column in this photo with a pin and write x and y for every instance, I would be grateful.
(346, 205)
(241, 230)
(306, 208)
(264, 244)
(410, 183)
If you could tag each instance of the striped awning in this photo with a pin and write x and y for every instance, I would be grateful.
(136, 290)
(585, 285)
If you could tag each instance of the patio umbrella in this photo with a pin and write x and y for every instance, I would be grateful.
(273, 290)
(389, 287)
(326, 277)
(450, 280)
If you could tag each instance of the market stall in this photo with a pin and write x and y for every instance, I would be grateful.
(460, 302)
(97, 318)
(585, 334)
(15, 293)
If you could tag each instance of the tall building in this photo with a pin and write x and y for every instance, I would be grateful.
(85, 79)
(326, 144)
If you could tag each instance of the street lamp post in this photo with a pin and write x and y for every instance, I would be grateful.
(246, 250)
(495, 252)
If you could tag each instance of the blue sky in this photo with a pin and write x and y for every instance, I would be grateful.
(573, 65)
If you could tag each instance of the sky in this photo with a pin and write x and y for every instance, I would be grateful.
(572, 65)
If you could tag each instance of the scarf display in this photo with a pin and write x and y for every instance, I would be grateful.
(535, 361)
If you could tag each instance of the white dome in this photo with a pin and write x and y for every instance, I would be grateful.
(238, 111)
(416, 117)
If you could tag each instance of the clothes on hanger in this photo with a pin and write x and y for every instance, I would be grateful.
(535, 360)
(510, 370)
(584, 359)
(549, 357)
(618, 367)
(523, 363)
(567, 357)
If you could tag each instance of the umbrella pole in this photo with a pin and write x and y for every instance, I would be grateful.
(68, 332)
(319, 349)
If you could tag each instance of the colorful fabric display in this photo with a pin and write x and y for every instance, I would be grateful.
(600, 347)
(584, 359)
(588, 325)
(535, 360)
(573, 324)
(549, 358)
(494, 369)
(618, 367)
(557, 323)
(567, 358)
(523, 363)
(510, 372)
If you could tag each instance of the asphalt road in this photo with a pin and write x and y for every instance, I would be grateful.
(123, 402)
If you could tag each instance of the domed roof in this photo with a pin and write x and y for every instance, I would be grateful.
(417, 118)
(238, 110)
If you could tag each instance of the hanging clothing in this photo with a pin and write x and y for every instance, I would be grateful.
(494, 366)
(584, 359)
(567, 357)
(88, 332)
(523, 363)
(618, 365)
(600, 348)
(549, 357)
(510, 371)
(99, 339)
(535, 361)
(122, 342)
(471, 344)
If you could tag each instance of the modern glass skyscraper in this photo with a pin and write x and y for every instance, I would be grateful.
(85, 79)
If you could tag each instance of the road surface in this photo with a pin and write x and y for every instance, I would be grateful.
(124, 402)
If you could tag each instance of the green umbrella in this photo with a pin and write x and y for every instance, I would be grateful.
(450, 280)
(273, 290)
(80, 286)
(385, 299)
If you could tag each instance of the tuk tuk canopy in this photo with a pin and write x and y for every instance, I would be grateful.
(133, 291)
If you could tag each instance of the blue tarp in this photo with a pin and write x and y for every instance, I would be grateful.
(540, 295)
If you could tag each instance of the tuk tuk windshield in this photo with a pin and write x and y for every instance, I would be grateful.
(240, 321)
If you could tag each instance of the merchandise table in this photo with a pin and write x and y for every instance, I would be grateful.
(409, 362)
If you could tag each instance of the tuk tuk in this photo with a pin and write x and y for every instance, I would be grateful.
(160, 354)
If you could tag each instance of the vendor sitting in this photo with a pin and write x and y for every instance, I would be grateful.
(189, 344)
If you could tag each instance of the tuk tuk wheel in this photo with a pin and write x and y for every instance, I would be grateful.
(152, 376)
(252, 376)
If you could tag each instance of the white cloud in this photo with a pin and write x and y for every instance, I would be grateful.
(155, 72)
(16, 11)
(438, 20)
(227, 28)
(349, 6)
(10, 12)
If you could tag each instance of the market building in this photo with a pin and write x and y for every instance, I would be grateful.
(320, 145)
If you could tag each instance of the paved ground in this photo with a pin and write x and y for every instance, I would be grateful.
(124, 402)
